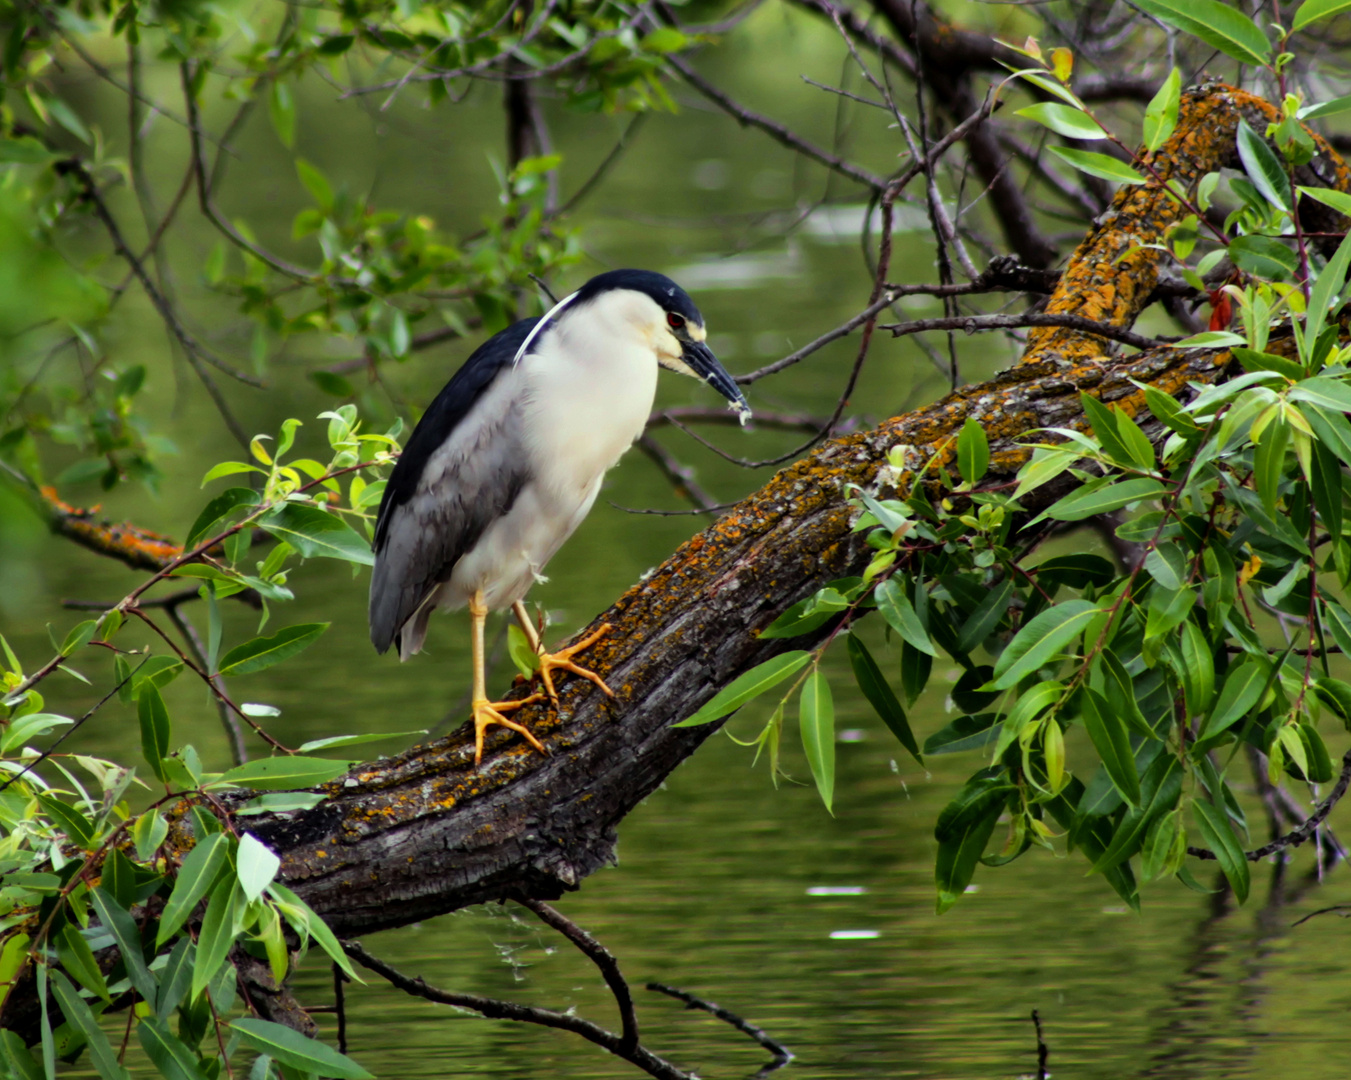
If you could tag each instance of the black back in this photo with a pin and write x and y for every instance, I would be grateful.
(444, 414)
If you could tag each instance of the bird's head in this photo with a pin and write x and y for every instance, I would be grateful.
(660, 314)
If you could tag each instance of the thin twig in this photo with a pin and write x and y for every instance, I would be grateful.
(495, 1009)
(599, 955)
(973, 323)
(782, 1055)
(234, 734)
(1298, 835)
(191, 348)
(680, 475)
(1043, 1051)
(781, 134)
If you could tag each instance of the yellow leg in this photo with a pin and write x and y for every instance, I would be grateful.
(561, 660)
(491, 712)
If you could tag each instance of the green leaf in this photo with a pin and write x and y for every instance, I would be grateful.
(1159, 790)
(1198, 670)
(963, 830)
(229, 468)
(1325, 108)
(1086, 503)
(217, 933)
(284, 773)
(1063, 120)
(77, 958)
(1324, 392)
(1215, 23)
(1101, 165)
(1167, 564)
(1219, 837)
(117, 921)
(879, 693)
(981, 623)
(316, 927)
(149, 833)
(172, 1057)
(1269, 462)
(973, 452)
(1159, 853)
(1338, 200)
(295, 1050)
(21, 730)
(1252, 360)
(1264, 257)
(12, 1050)
(1113, 744)
(1312, 10)
(1242, 689)
(261, 653)
(197, 875)
(155, 732)
(355, 740)
(321, 191)
(1326, 292)
(1211, 339)
(1161, 112)
(79, 636)
(900, 614)
(215, 511)
(281, 109)
(256, 866)
(1263, 167)
(26, 151)
(1040, 640)
(746, 687)
(964, 733)
(81, 1017)
(816, 717)
(314, 534)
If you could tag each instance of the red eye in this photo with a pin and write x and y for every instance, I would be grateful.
(674, 321)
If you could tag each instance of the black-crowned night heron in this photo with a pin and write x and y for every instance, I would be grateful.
(508, 459)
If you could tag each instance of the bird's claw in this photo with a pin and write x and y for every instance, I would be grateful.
(562, 661)
(493, 712)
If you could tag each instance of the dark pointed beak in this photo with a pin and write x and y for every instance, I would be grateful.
(703, 363)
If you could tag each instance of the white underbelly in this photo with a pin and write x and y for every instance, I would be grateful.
(513, 551)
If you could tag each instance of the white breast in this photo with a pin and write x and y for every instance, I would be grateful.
(584, 397)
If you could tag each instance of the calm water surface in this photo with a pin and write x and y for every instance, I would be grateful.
(719, 885)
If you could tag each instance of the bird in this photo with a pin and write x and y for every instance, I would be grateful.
(508, 459)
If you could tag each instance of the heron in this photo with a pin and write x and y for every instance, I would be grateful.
(508, 460)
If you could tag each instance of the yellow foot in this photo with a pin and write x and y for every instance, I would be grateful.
(562, 661)
(493, 712)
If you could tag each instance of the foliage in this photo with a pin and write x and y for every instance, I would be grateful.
(78, 859)
(1221, 634)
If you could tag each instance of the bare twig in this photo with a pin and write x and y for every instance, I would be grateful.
(496, 1009)
(1043, 1051)
(234, 734)
(777, 131)
(599, 955)
(195, 353)
(680, 475)
(782, 1055)
(972, 323)
(1298, 835)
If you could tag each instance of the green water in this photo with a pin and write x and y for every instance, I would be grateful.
(712, 893)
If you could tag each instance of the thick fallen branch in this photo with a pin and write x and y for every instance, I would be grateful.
(425, 832)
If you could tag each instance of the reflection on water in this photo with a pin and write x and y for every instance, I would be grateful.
(821, 930)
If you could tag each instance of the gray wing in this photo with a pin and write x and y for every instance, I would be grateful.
(461, 469)
(466, 486)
